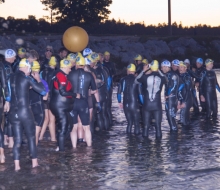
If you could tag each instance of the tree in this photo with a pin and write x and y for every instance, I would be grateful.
(49, 7)
(79, 11)
(2, 1)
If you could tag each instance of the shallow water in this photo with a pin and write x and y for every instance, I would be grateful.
(189, 159)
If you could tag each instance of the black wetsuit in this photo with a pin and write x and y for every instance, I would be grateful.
(186, 97)
(81, 81)
(131, 102)
(139, 68)
(208, 87)
(151, 86)
(112, 71)
(20, 114)
(4, 95)
(61, 103)
(195, 101)
(8, 72)
(44, 63)
(171, 92)
(199, 72)
(15, 65)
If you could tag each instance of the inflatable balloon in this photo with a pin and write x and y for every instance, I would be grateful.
(75, 39)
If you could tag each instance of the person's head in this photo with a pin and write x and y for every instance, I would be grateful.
(65, 66)
(199, 62)
(182, 67)
(175, 64)
(209, 64)
(187, 62)
(137, 59)
(25, 66)
(154, 66)
(106, 56)
(165, 66)
(72, 58)
(131, 69)
(92, 59)
(145, 61)
(53, 62)
(31, 56)
(10, 55)
(86, 52)
(101, 57)
(80, 62)
(63, 52)
(21, 52)
(35, 67)
(49, 52)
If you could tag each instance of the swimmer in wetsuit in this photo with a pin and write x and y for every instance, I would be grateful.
(138, 63)
(81, 81)
(36, 101)
(185, 94)
(19, 57)
(171, 94)
(208, 87)
(61, 102)
(20, 114)
(4, 96)
(47, 74)
(151, 86)
(175, 66)
(131, 107)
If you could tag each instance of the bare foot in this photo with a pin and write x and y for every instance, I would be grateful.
(2, 159)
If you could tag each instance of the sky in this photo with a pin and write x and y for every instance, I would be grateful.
(188, 12)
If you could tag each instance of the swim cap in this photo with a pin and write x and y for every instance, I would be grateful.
(181, 63)
(80, 60)
(208, 61)
(145, 61)
(138, 57)
(25, 63)
(106, 53)
(65, 63)
(35, 66)
(176, 62)
(21, 51)
(87, 61)
(78, 54)
(53, 61)
(86, 52)
(131, 67)
(72, 57)
(9, 53)
(166, 63)
(95, 56)
(187, 61)
(199, 60)
(154, 65)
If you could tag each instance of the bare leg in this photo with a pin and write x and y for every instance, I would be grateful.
(17, 165)
(73, 135)
(80, 130)
(88, 135)
(5, 139)
(38, 129)
(2, 156)
(10, 142)
(45, 124)
(52, 126)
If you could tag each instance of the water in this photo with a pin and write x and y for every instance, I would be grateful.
(189, 159)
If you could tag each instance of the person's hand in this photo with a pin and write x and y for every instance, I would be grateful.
(46, 96)
(202, 98)
(178, 106)
(197, 84)
(183, 105)
(193, 69)
(146, 67)
(6, 107)
(36, 76)
(120, 105)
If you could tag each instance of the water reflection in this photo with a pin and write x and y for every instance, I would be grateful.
(188, 159)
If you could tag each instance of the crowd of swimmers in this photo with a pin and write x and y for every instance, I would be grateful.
(71, 94)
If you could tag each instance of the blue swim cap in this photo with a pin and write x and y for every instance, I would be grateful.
(199, 60)
(166, 63)
(176, 62)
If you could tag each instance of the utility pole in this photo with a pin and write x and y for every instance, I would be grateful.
(169, 18)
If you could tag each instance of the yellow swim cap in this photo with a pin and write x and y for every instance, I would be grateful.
(72, 57)
(154, 65)
(106, 53)
(145, 61)
(53, 61)
(138, 57)
(25, 63)
(21, 51)
(65, 63)
(35, 66)
(181, 63)
(208, 61)
(95, 56)
(80, 60)
(78, 54)
(131, 67)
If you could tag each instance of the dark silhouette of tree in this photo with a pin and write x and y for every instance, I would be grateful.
(2, 1)
(80, 11)
(49, 6)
